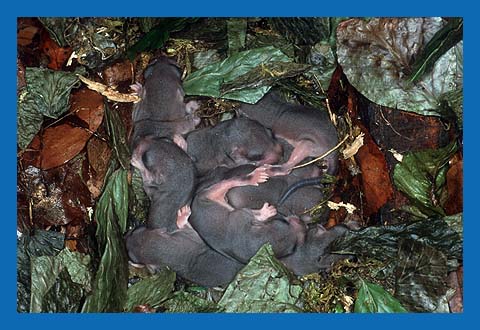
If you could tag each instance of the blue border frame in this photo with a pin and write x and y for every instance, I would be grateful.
(223, 8)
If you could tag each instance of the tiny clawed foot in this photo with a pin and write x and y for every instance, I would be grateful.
(182, 217)
(267, 211)
(259, 175)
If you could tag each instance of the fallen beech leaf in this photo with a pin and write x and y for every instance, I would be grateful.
(21, 83)
(88, 106)
(62, 143)
(377, 186)
(454, 203)
(57, 55)
(117, 73)
(26, 34)
(109, 92)
(99, 154)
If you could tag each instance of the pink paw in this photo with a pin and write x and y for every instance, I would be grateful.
(182, 217)
(267, 211)
(259, 175)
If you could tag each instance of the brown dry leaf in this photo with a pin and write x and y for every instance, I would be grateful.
(88, 106)
(376, 184)
(109, 92)
(57, 55)
(62, 143)
(455, 281)
(26, 34)
(404, 131)
(20, 76)
(117, 73)
(454, 203)
(99, 154)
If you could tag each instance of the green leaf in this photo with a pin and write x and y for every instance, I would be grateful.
(382, 243)
(453, 101)
(56, 27)
(46, 94)
(64, 296)
(185, 302)
(324, 61)
(156, 37)
(110, 284)
(320, 32)
(422, 176)
(44, 242)
(262, 286)
(264, 75)
(237, 32)
(372, 298)
(204, 58)
(118, 137)
(447, 37)
(209, 80)
(59, 282)
(421, 277)
(376, 57)
(139, 201)
(78, 266)
(40, 243)
(455, 223)
(303, 31)
(152, 291)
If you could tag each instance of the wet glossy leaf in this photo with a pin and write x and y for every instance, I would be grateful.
(64, 296)
(372, 298)
(184, 302)
(210, 80)
(447, 37)
(110, 284)
(453, 101)
(118, 137)
(376, 56)
(382, 243)
(203, 58)
(320, 34)
(262, 286)
(264, 75)
(45, 243)
(46, 94)
(152, 291)
(56, 27)
(421, 176)
(156, 37)
(237, 32)
(303, 30)
(421, 277)
(59, 282)
(324, 61)
(140, 203)
(63, 142)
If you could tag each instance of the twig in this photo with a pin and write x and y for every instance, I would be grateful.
(323, 155)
